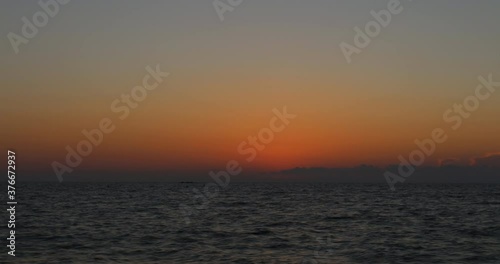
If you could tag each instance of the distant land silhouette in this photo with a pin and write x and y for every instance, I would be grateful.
(368, 173)
(484, 169)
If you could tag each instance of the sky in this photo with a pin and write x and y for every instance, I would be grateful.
(226, 77)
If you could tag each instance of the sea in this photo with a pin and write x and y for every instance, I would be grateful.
(254, 223)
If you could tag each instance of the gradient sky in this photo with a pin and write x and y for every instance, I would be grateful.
(226, 77)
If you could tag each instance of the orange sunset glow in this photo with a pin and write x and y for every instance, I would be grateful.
(224, 82)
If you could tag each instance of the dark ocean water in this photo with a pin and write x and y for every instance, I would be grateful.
(255, 223)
